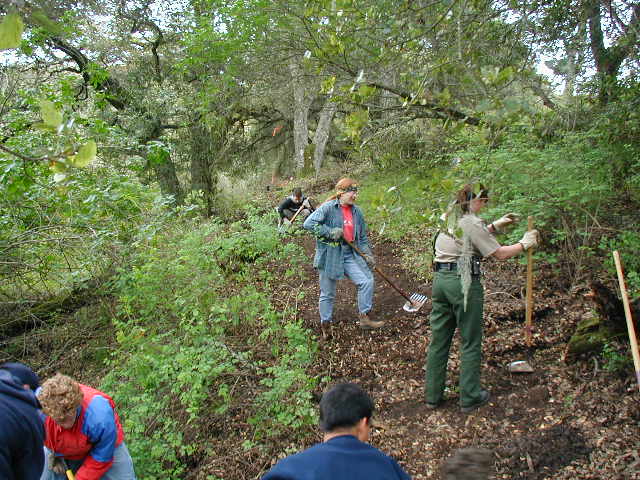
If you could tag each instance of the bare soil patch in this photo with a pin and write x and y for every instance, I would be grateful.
(564, 421)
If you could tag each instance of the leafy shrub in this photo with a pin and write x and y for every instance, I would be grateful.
(627, 243)
(615, 360)
(185, 342)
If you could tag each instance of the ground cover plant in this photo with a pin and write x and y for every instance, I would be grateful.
(191, 347)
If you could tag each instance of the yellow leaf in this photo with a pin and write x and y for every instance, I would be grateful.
(85, 155)
(11, 30)
(51, 116)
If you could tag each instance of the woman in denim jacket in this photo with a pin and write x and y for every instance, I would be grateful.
(336, 223)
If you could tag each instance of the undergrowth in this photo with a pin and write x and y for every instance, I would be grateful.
(195, 329)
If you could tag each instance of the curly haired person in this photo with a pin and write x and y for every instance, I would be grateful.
(82, 433)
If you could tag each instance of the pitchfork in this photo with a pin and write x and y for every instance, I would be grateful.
(413, 303)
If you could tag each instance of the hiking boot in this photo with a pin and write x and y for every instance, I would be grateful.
(327, 330)
(484, 398)
(367, 324)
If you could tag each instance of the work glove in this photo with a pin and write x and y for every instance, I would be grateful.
(529, 239)
(56, 464)
(335, 233)
(506, 221)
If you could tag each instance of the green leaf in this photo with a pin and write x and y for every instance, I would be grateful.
(45, 22)
(51, 116)
(11, 30)
(85, 155)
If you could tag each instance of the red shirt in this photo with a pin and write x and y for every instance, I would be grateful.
(347, 223)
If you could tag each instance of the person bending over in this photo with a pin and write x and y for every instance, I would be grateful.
(290, 206)
(82, 433)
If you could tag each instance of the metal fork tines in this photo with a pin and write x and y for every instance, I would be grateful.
(416, 301)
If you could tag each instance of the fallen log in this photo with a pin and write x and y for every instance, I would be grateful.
(20, 316)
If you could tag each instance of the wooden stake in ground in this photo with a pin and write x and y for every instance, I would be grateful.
(627, 313)
(528, 329)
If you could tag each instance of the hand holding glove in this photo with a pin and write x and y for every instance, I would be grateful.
(56, 464)
(335, 233)
(529, 239)
(506, 221)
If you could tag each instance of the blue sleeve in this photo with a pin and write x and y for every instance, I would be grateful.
(402, 475)
(100, 426)
(315, 222)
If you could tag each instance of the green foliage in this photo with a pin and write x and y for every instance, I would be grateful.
(615, 360)
(568, 208)
(355, 122)
(11, 28)
(186, 345)
(627, 242)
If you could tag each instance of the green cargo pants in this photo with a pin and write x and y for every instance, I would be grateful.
(448, 313)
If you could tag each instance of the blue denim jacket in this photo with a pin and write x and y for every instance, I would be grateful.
(329, 254)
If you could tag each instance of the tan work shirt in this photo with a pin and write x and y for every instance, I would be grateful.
(449, 249)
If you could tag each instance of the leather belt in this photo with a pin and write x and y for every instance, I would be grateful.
(445, 266)
(453, 266)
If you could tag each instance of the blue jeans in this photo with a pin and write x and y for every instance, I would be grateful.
(121, 469)
(362, 278)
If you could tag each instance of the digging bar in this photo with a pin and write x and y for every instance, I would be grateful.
(528, 329)
(522, 366)
(633, 340)
(414, 302)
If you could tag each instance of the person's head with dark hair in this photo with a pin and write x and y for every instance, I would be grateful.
(346, 409)
(467, 198)
(468, 464)
(297, 194)
(22, 374)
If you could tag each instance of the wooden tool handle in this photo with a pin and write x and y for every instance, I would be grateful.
(627, 313)
(397, 289)
(529, 304)
(296, 214)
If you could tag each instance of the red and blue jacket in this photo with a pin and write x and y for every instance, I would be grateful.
(93, 437)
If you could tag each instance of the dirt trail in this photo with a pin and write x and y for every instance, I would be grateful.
(563, 421)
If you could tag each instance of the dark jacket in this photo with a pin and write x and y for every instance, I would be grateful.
(341, 458)
(21, 432)
(290, 204)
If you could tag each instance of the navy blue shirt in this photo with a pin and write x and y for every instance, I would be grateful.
(341, 458)
(21, 432)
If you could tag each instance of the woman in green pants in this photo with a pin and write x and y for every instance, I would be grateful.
(458, 295)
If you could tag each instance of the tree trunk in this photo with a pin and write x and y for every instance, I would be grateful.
(202, 158)
(609, 59)
(322, 132)
(301, 104)
(166, 176)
